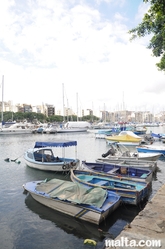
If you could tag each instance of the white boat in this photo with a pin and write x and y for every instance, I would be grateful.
(42, 157)
(119, 151)
(70, 130)
(151, 149)
(16, 129)
(73, 199)
(50, 129)
(103, 133)
(75, 126)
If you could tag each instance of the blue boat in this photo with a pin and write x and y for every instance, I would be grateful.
(92, 205)
(116, 170)
(131, 192)
(156, 135)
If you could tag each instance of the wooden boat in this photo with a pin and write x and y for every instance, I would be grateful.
(131, 192)
(116, 171)
(42, 157)
(130, 162)
(151, 149)
(124, 137)
(118, 150)
(92, 205)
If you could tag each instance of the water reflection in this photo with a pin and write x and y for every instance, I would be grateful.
(70, 225)
(111, 227)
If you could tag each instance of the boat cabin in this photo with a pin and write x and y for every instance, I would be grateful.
(45, 155)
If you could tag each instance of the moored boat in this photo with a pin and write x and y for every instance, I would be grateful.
(17, 129)
(119, 171)
(125, 137)
(42, 156)
(151, 149)
(131, 192)
(92, 205)
(142, 164)
(118, 150)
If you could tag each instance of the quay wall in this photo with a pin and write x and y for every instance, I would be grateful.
(149, 224)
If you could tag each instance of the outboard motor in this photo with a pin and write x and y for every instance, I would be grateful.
(109, 152)
(135, 154)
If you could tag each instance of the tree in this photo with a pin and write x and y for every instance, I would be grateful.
(153, 23)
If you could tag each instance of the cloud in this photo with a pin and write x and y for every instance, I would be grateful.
(45, 44)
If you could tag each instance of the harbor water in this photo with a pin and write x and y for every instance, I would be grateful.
(26, 224)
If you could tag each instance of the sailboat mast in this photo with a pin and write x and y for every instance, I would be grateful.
(2, 98)
(77, 107)
(63, 102)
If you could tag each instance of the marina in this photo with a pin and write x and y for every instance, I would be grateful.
(27, 224)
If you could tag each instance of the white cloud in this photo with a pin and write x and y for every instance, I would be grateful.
(47, 43)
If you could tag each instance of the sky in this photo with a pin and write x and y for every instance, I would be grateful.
(78, 53)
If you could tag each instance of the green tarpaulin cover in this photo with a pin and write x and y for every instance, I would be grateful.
(74, 192)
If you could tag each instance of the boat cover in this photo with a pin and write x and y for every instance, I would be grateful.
(74, 192)
(55, 144)
(124, 138)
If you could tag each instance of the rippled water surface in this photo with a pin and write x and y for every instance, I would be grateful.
(26, 224)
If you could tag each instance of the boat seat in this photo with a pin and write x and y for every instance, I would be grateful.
(143, 176)
(102, 183)
(112, 171)
(40, 157)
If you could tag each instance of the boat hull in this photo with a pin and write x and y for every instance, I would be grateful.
(83, 212)
(147, 149)
(52, 166)
(143, 164)
(122, 171)
(15, 132)
(71, 130)
(128, 196)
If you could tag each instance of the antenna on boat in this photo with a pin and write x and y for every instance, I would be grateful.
(2, 98)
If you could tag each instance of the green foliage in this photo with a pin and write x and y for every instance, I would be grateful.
(34, 117)
(153, 23)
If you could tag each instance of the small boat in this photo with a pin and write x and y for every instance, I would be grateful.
(156, 136)
(118, 150)
(71, 130)
(72, 127)
(50, 129)
(131, 192)
(42, 157)
(124, 137)
(151, 149)
(142, 164)
(16, 129)
(117, 171)
(103, 133)
(92, 205)
(138, 130)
